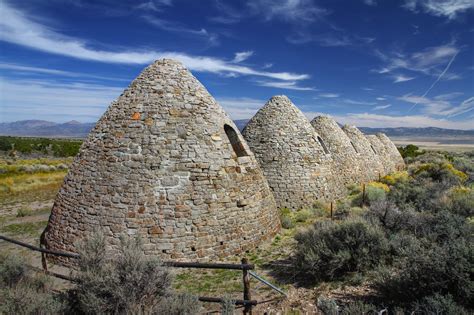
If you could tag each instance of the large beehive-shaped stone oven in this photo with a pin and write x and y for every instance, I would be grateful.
(346, 160)
(383, 154)
(165, 162)
(392, 151)
(371, 165)
(291, 154)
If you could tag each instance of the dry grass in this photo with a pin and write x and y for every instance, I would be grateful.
(30, 187)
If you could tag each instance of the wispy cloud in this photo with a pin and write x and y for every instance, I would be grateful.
(54, 101)
(380, 98)
(242, 56)
(22, 68)
(154, 5)
(401, 78)
(427, 61)
(328, 95)
(227, 13)
(17, 28)
(211, 38)
(390, 121)
(294, 11)
(370, 2)
(437, 79)
(380, 107)
(357, 102)
(240, 107)
(440, 106)
(444, 8)
(287, 85)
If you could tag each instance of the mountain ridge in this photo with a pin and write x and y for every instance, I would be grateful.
(75, 129)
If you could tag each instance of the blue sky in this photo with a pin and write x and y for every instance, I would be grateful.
(375, 63)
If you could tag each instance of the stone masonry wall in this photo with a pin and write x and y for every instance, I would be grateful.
(371, 165)
(392, 150)
(286, 145)
(384, 156)
(160, 164)
(347, 168)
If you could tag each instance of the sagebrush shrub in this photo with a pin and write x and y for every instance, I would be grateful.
(24, 292)
(439, 304)
(177, 304)
(329, 250)
(373, 194)
(130, 282)
(425, 269)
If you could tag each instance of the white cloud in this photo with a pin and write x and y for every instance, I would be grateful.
(54, 101)
(445, 8)
(357, 102)
(17, 28)
(242, 56)
(240, 107)
(386, 121)
(294, 11)
(448, 96)
(288, 85)
(154, 5)
(329, 95)
(427, 61)
(211, 38)
(380, 98)
(381, 107)
(401, 78)
(440, 76)
(22, 68)
(440, 106)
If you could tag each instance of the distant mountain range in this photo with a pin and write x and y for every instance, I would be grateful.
(75, 129)
(42, 128)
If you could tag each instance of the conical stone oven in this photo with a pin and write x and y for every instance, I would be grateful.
(165, 162)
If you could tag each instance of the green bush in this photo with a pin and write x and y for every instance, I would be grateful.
(22, 292)
(287, 222)
(360, 308)
(329, 250)
(286, 218)
(439, 304)
(303, 215)
(327, 306)
(425, 269)
(178, 304)
(410, 151)
(12, 270)
(129, 283)
(461, 202)
(372, 194)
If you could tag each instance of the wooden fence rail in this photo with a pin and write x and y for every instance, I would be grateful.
(247, 302)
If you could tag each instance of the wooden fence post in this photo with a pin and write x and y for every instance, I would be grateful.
(247, 294)
(331, 210)
(363, 195)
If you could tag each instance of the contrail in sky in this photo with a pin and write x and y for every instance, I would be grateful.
(437, 80)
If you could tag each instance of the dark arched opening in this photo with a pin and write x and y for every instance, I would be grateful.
(323, 145)
(235, 141)
(355, 149)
